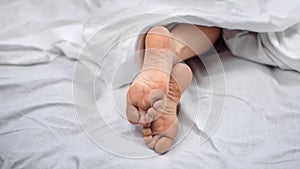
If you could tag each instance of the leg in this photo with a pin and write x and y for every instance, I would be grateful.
(191, 40)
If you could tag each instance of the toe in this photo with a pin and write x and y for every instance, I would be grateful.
(163, 145)
(142, 116)
(147, 131)
(132, 114)
(156, 95)
(160, 105)
(151, 115)
(152, 143)
(158, 102)
(148, 139)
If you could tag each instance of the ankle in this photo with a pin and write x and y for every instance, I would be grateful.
(181, 50)
(178, 49)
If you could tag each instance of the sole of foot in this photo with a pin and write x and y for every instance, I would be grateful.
(160, 134)
(146, 97)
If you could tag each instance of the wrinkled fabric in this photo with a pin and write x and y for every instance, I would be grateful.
(133, 19)
(259, 127)
(280, 49)
(40, 43)
(34, 32)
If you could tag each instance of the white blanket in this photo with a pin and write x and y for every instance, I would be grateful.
(39, 48)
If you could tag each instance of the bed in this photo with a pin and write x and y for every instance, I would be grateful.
(63, 80)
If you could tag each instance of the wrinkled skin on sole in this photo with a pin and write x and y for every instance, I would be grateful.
(160, 134)
(153, 96)
(148, 91)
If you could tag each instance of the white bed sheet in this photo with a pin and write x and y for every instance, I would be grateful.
(260, 127)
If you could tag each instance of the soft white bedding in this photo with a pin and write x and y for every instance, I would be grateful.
(41, 100)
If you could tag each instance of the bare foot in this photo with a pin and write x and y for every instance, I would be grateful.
(149, 89)
(160, 133)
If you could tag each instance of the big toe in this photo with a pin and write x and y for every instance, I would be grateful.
(159, 144)
(163, 145)
(132, 114)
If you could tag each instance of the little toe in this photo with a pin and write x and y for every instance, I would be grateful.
(147, 133)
